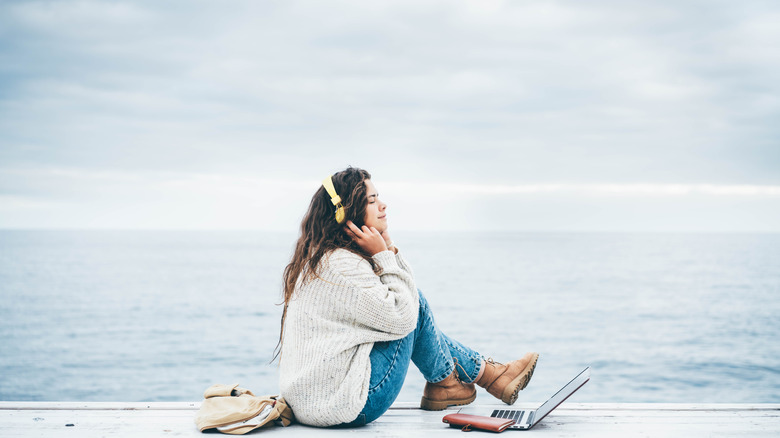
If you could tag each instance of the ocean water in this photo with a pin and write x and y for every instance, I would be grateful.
(161, 315)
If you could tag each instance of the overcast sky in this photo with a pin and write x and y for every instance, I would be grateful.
(522, 115)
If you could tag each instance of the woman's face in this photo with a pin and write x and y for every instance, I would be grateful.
(375, 210)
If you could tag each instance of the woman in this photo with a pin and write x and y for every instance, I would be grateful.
(353, 320)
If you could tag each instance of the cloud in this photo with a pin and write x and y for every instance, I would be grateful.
(596, 189)
(175, 200)
(491, 94)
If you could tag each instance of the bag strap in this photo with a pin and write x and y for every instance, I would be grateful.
(286, 416)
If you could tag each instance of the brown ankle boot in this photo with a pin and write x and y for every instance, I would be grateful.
(504, 381)
(449, 392)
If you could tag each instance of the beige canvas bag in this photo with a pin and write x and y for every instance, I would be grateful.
(236, 411)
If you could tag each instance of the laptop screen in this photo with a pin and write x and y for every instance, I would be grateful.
(562, 395)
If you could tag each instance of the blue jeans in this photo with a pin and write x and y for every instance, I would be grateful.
(432, 352)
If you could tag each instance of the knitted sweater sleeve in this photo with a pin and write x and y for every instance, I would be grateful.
(404, 264)
(388, 302)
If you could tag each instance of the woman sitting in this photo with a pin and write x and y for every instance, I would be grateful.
(353, 320)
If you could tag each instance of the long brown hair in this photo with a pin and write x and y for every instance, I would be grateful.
(321, 233)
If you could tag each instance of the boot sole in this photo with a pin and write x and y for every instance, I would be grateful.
(519, 383)
(440, 405)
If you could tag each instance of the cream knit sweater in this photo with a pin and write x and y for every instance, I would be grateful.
(332, 323)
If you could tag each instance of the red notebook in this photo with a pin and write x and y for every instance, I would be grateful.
(468, 422)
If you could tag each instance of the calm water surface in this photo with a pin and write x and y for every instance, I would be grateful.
(161, 315)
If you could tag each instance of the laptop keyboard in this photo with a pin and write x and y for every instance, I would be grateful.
(512, 414)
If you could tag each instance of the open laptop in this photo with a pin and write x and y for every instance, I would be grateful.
(528, 418)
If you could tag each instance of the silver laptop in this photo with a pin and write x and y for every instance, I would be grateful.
(528, 418)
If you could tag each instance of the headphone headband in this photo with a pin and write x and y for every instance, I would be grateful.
(335, 199)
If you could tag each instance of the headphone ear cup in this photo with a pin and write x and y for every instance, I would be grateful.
(335, 199)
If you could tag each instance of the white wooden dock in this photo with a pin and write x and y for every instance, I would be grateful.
(147, 420)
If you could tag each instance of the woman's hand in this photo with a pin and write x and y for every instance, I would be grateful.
(389, 242)
(368, 239)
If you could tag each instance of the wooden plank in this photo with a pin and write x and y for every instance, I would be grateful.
(32, 419)
(22, 405)
(99, 406)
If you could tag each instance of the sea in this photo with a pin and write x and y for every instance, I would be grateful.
(142, 316)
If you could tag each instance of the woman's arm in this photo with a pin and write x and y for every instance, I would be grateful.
(388, 302)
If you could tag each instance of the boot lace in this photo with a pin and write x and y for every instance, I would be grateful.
(458, 365)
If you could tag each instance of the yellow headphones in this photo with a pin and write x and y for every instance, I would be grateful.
(335, 199)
